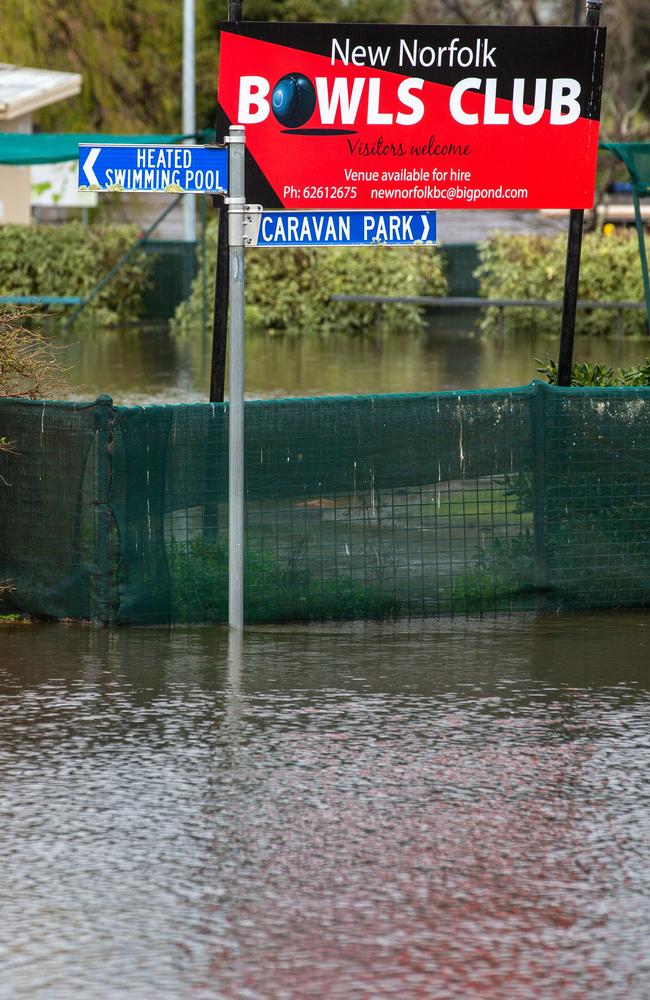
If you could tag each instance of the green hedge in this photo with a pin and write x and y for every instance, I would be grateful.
(69, 260)
(288, 291)
(532, 267)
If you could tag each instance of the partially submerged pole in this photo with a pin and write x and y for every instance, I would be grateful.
(236, 205)
(572, 271)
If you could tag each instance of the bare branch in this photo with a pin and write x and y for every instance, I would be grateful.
(29, 363)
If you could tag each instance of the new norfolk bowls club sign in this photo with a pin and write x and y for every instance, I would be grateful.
(363, 116)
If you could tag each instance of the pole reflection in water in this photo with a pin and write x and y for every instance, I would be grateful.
(233, 694)
(444, 809)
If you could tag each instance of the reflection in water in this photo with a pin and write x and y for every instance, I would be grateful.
(453, 809)
(151, 365)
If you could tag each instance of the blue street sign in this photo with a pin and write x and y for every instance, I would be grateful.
(191, 169)
(331, 229)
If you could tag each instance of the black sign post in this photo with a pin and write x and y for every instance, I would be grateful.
(572, 271)
(222, 290)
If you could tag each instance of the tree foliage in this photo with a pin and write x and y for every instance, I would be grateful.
(626, 96)
(378, 11)
(130, 54)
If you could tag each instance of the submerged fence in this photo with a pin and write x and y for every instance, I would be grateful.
(356, 507)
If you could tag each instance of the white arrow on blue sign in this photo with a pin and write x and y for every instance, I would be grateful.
(331, 229)
(172, 169)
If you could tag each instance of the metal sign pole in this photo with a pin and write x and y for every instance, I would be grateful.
(572, 271)
(236, 206)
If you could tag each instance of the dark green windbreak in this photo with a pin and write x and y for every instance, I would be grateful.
(18, 149)
(535, 498)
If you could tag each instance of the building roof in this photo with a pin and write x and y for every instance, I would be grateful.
(24, 89)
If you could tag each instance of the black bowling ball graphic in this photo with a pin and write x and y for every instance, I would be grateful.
(293, 100)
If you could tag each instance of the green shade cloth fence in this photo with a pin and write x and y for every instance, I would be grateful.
(534, 498)
(636, 157)
(55, 147)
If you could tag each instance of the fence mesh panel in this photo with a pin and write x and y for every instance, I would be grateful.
(54, 539)
(535, 498)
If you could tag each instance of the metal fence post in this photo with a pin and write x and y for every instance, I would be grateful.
(101, 605)
(539, 495)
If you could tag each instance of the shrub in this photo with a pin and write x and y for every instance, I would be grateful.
(70, 260)
(29, 364)
(288, 291)
(273, 590)
(500, 578)
(532, 267)
(586, 373)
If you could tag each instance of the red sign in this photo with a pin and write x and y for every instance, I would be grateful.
(367, 116)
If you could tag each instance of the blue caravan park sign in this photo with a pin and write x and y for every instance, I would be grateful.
(335, 229)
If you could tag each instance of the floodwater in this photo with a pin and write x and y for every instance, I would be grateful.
(141, 365)
(429, 810)
(440, 810)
